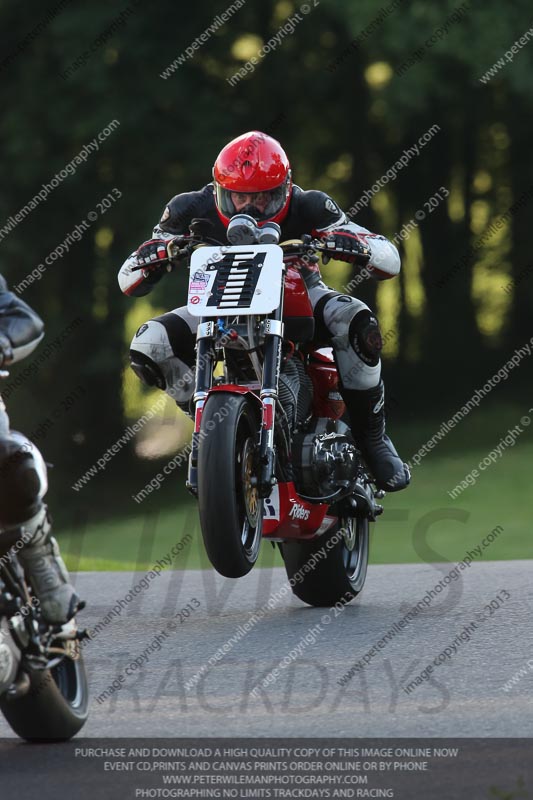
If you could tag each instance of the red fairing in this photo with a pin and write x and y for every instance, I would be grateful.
(287, 516)
(327, 402)
(296, 301)
(322, 370)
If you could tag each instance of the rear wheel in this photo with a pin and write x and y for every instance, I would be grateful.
(339, 571)
(231, 511)
(55, 707)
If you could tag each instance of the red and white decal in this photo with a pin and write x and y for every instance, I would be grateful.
(272, 505)
(288, 516)
(298, 511)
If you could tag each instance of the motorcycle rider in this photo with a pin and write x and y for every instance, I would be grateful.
(25, 522)
(252, 175)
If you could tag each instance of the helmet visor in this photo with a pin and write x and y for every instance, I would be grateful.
(259, 205)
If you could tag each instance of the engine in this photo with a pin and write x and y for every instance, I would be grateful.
(325, 462)
(295, 392)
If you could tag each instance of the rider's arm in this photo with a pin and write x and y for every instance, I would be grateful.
(21, 329)
(136, 284)
(175, 220)
(385, 259)
(329, 218)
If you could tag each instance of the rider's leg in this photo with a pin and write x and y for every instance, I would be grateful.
(356, 339)
(25, 520)
(162, 354)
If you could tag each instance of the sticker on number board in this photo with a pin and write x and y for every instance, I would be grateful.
(199, 282)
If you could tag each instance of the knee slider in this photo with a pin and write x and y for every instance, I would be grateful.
(147, 370)
(365, 337)
(20, 483)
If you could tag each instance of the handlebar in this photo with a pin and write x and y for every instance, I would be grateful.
(306, 246)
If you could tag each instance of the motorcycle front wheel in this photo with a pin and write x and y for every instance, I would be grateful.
(231, 511)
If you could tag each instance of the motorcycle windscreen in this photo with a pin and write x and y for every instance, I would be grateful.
(235, 279)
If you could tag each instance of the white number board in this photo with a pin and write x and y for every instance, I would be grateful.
(235, 279)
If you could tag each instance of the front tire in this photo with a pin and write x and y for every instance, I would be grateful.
(56, 706)
(231, 512)
(340, 575)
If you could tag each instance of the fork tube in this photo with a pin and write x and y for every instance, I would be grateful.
(203, 382)
(269, 394)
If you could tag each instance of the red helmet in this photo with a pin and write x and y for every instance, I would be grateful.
(255, 166)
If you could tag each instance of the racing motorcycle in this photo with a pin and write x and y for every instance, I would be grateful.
(272, 457)
(43, 685)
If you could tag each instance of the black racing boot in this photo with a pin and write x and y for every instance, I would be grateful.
(45, 570)
(367, 416)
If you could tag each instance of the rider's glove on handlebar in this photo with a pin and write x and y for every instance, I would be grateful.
(152, 253)
(344, 245)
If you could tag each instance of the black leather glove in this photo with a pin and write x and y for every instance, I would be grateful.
(344, 245)
(6, 350)
(153, 253)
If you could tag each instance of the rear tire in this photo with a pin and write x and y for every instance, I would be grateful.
(56, 706)
(340, 575)
(231, 512)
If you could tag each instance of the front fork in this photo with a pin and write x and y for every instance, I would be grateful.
(205, 360)
(268, 395)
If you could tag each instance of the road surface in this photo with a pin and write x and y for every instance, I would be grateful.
(463, 695)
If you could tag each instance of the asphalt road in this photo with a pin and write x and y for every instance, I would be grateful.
(463, 696)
